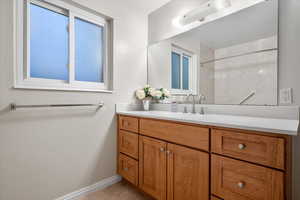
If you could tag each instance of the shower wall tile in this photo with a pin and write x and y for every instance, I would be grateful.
(236, 78)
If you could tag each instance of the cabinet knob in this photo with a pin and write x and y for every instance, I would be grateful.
(241, 184)
(242, 146)
(126, 169)
(162, 149)
(169, 152)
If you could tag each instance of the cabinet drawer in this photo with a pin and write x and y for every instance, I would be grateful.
(238, 180)
(259, 149)
(192, 136)
(214, 198)
(129, 123)
(129, 143)
(128, 169)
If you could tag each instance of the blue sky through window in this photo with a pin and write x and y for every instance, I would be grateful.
(49, 44)
(89, 56)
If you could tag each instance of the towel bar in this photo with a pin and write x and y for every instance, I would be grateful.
(14, 106)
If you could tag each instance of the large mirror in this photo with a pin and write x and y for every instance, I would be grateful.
(230, 60)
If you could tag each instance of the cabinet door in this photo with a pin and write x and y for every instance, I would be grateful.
(188, 174)
(153, 167)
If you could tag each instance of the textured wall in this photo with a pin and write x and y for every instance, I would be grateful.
(289, 69)
(47, 153)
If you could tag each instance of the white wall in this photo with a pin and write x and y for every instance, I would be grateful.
(161, 27)
(46, 153)
(159, 64)
(289, 69)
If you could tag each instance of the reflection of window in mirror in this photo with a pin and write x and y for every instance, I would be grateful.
(182, 68)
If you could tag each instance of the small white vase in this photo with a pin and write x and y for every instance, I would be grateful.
(146, 104)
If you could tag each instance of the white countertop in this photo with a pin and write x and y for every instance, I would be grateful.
(281, 126)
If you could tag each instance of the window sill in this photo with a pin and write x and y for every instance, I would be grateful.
(182, 92)
(62, 89)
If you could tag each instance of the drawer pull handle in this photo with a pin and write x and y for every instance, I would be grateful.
(126, 169)
(162, 149)
(241, 184)
(242, 146)
(169, 152)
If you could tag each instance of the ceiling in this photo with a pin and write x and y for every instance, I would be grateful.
(147, 6)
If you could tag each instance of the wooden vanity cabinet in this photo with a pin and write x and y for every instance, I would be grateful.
(166, 171)
(178, 161)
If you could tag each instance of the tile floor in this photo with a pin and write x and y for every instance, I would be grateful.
(118, 191)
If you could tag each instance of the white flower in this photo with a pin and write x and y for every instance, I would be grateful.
(166, 92)
(152, 91)
(140, 94)
(157, 94)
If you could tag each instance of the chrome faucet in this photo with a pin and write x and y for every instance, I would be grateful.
(202, 111)
(201, 98)
(194, 102)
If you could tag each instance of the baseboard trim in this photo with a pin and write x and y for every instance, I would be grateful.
(92, 188)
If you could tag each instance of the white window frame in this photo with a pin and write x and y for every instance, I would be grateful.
(192, 71)
(22, 79)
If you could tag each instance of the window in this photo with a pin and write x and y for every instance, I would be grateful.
(185, 72)
(89, 52)
(182, 67)
(62, 47)
(176, 70)
(49, 41)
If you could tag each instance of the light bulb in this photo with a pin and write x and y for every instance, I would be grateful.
(203, 11)
(221, 4)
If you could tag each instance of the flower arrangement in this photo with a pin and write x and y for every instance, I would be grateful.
(147, 93)
(151, 93)
(164, 93)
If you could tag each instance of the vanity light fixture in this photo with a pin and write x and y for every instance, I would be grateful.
(206, 9)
